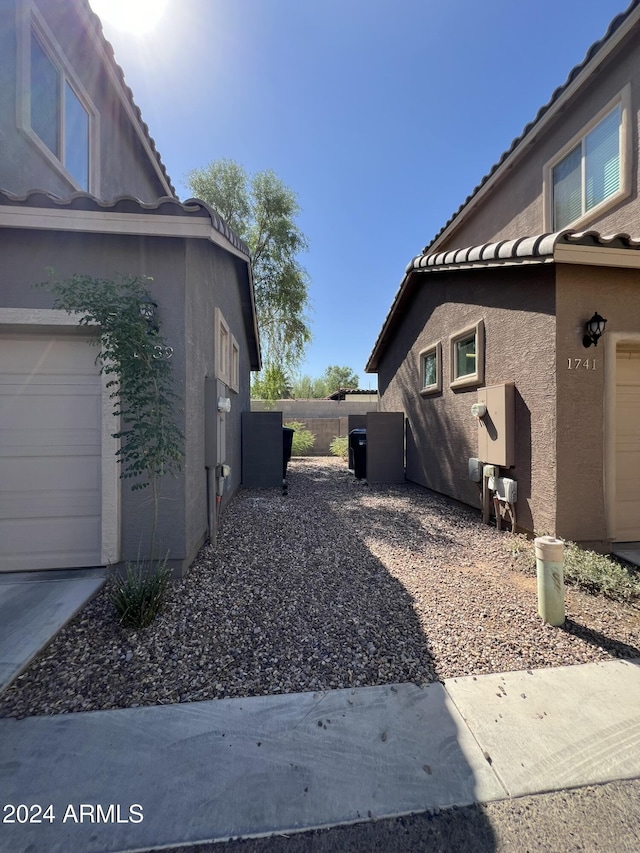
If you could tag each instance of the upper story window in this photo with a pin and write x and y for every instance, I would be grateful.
(54, 111)
(591, 173)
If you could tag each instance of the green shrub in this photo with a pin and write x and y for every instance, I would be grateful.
(340, 446)
(599, 573)
(138, 596)
(589, 571)
(303, 439)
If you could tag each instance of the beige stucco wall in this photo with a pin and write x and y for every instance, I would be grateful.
(519, 348)
(514, 207)
(585, 427)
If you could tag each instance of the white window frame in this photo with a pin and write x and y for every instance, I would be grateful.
(623, 101)
(434, 387)
(30, 20)
(234, 365)
(222, 338)
(467, 379)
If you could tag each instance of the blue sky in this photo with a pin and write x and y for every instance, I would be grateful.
(382, 117)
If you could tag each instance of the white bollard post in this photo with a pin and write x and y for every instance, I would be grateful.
(549, 563)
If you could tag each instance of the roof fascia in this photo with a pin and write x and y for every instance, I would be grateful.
(99, 41)
(137, 224)
(109, 222)
(565, 253)
(540, 126)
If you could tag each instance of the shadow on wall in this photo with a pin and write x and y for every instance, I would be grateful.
(523, 470)
(438, 452)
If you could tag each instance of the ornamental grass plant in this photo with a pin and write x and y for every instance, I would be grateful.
(138, 595)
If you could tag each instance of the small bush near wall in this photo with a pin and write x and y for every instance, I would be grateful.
(340, 446)
(593, 573)
(139, 594)
(303, 439)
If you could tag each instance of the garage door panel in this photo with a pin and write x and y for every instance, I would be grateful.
(50, 540)
(627, 447)
(38, 474)
(50, 453)
(62, 410)
(44, 355)
(50, 505)
(28, 442)
(37, 381)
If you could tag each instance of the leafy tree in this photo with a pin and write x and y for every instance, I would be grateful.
(271, 384)
(133, 354)
(307, 388)
(262, 210)
(336, 378)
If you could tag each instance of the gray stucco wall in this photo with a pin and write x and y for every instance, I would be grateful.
(517, 306)
(27, 254)
(514, 207)
(212, 281)
(125, 168)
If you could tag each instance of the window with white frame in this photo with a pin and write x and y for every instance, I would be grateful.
(591, 173)
(234, 366)
(431, 369)
(466, 352)
(55, 111)
(222, 348)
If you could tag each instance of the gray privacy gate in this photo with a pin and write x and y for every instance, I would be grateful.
(385, 445)
(262, 447)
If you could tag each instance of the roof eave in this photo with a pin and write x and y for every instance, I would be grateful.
(587, 248)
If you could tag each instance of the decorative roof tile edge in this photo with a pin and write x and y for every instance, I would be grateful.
(506, 252)
(538, 249)
(163, 206)
(595, 48)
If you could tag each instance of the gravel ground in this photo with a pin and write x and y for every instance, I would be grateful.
(338, 584)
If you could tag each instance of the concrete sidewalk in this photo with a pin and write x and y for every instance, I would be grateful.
(212, 770)
(34, 606)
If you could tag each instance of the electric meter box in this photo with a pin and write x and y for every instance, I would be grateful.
(497, 429)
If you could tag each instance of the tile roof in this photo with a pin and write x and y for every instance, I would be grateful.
(128, 94)
(540, 249)
(595, 48)
(165, 206)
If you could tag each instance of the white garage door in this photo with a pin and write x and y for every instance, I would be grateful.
(50, 453)
(627, 505)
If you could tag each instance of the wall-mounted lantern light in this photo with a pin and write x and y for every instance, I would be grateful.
(148, 311)
(594, 329)
(147, 307)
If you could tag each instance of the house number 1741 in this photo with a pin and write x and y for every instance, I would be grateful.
(581, 363)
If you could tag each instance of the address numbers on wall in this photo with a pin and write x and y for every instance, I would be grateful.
(582, 363)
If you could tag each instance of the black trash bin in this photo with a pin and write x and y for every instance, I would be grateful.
(287, 444)
(358, 453)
